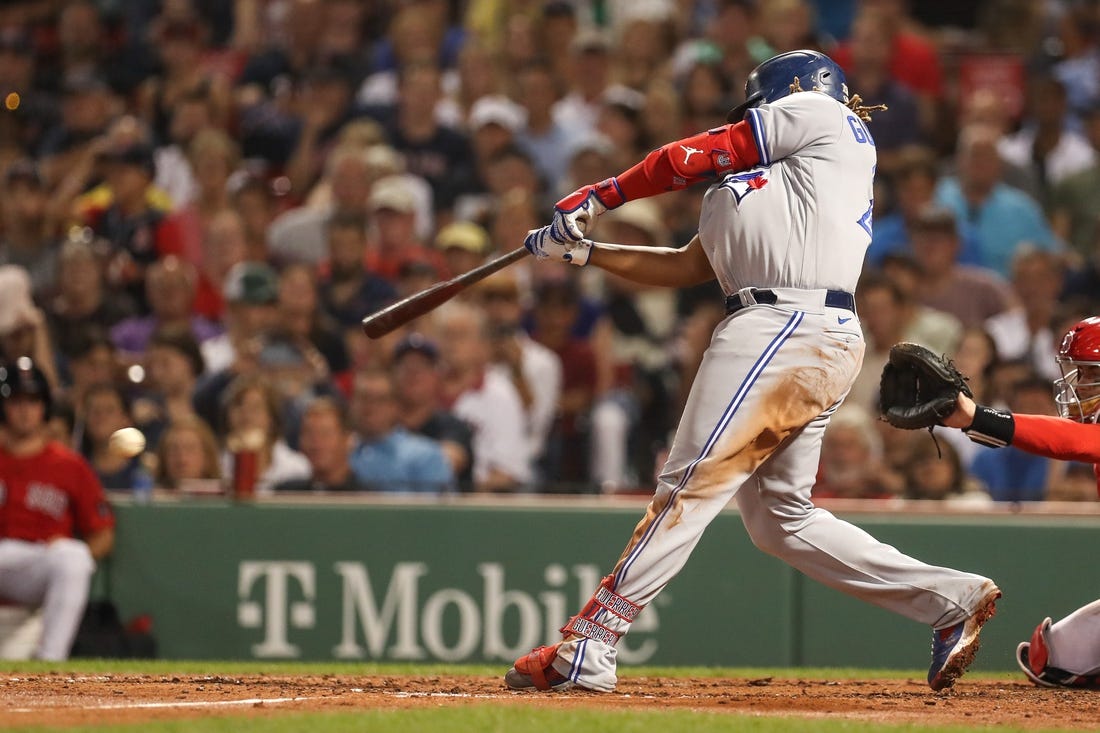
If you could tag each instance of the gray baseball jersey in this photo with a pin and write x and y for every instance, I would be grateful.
(798, 225)
(802, 218)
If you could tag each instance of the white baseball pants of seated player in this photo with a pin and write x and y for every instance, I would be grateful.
(752, 428)
(54, 576)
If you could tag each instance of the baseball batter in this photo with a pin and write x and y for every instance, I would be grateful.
(48, 493)
(1067, 653)
(784, 229)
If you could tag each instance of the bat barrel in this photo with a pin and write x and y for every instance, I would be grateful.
(394, 316)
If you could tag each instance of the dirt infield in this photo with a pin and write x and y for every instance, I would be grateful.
(61, 699)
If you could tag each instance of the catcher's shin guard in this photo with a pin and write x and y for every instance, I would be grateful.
(1033, 657)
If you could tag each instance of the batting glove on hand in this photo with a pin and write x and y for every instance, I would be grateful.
(575, 214)
(542, 244)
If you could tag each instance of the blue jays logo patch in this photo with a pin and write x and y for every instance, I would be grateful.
(742, 184)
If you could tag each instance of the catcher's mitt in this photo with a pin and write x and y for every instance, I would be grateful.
(918, 389)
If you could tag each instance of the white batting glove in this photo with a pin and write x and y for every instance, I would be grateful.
(575, 214)
(542, 244)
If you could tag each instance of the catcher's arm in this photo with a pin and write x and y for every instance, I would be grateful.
(963, 415)
(1041, 435)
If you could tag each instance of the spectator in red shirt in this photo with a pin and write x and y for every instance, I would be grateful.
(913, 62)
(54, 519)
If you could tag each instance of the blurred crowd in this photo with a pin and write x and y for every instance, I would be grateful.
(202, 200)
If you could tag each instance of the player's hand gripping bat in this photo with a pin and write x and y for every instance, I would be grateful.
(393, 316)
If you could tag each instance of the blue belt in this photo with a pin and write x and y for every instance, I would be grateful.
(833, 299)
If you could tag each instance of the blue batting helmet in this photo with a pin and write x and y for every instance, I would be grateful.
(772, 80)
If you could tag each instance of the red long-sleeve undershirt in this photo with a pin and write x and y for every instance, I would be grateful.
(1057, 437)
(693, 159)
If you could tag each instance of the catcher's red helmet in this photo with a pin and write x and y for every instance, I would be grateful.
(1078, 391)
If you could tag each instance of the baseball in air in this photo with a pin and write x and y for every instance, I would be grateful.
(127, 442)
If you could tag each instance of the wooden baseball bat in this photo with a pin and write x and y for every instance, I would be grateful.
(381, 322)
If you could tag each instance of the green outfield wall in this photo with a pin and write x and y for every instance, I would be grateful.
(477, 583)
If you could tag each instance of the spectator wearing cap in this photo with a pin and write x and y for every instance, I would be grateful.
(542, 136)
(493, 124)
(389, 458)
(485, 397)
(348, 291)
(971, 294)
(27, 239)
(130, 221)
(326, 439)
(994, 217)
(173, 365)
(170, 291)
(393, 239)
(251, 293)
(464, 245)
(418, 379)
